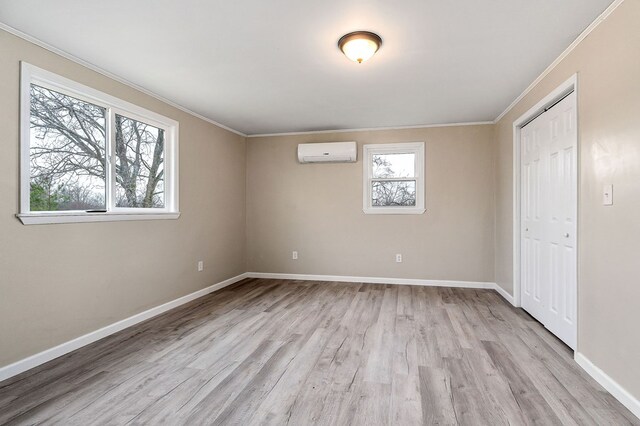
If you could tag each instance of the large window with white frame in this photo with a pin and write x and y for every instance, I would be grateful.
(87, 156)
(393, 178)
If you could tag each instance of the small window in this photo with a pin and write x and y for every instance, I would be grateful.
(393, 178)
(87, 156)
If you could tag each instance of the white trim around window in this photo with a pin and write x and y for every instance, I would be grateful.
(31, 74)
(369, 151)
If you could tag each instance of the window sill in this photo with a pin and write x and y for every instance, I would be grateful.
(392, 210)
(79, 217)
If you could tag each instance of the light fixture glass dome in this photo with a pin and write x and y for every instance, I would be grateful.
(359, 45)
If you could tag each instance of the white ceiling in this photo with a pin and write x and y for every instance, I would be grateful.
(273, 66)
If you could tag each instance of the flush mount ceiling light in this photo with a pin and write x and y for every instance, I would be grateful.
(359, 45)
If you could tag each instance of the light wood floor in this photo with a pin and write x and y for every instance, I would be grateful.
(290, 352)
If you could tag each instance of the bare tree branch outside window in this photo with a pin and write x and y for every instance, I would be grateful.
(68, 156)
(139, 164)
(387, 192)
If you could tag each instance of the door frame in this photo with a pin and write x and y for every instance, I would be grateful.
(570, 85)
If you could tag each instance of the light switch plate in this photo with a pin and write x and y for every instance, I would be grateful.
(607, 195)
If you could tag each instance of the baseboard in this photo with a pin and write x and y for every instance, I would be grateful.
(372, 280)
(613, 387)
(505, 295)
(28, 363)
(64, 348)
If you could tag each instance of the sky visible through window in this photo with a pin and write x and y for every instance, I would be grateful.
(393, 165)
(68, 156)
(67, 152)
(388, 192)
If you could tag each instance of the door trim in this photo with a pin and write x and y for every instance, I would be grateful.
(570, 85)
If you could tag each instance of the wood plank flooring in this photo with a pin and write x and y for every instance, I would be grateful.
(291, 352)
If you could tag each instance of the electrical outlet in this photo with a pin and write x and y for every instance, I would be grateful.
(294, 255)
(200, 266)
(398, 258)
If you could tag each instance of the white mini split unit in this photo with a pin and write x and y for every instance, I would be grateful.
(330, 152)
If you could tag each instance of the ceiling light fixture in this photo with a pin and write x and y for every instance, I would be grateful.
(359, 45)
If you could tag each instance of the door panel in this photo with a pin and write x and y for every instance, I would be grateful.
(532, 209)
(555, 285)
(549, 217)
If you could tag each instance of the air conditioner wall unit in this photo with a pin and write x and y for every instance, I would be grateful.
(328, 152)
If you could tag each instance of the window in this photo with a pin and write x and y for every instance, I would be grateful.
(394, 178)
(87, 156)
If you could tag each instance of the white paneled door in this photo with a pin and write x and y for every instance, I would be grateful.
(549, 211)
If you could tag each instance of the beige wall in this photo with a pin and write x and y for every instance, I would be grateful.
(50, 291)
(317, 210)
(58, 282)
(608, 67)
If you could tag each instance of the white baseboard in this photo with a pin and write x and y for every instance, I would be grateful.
(64, 348)
(373, 280)
(377, 280)
(618, 392)
(502, 292)
(25, 364)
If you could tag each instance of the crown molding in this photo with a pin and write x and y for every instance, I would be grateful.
(602, 17)
(110, 75)
(371, 129)
(563, 55)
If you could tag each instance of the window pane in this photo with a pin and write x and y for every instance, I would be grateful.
(393, 165)
(139, 164)
(67, 152)
(393, 193)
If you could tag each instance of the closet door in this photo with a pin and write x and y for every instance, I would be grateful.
(549, 211)
(532, 233)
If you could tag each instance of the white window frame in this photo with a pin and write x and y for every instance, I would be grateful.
(31, 74)
(369, 151)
